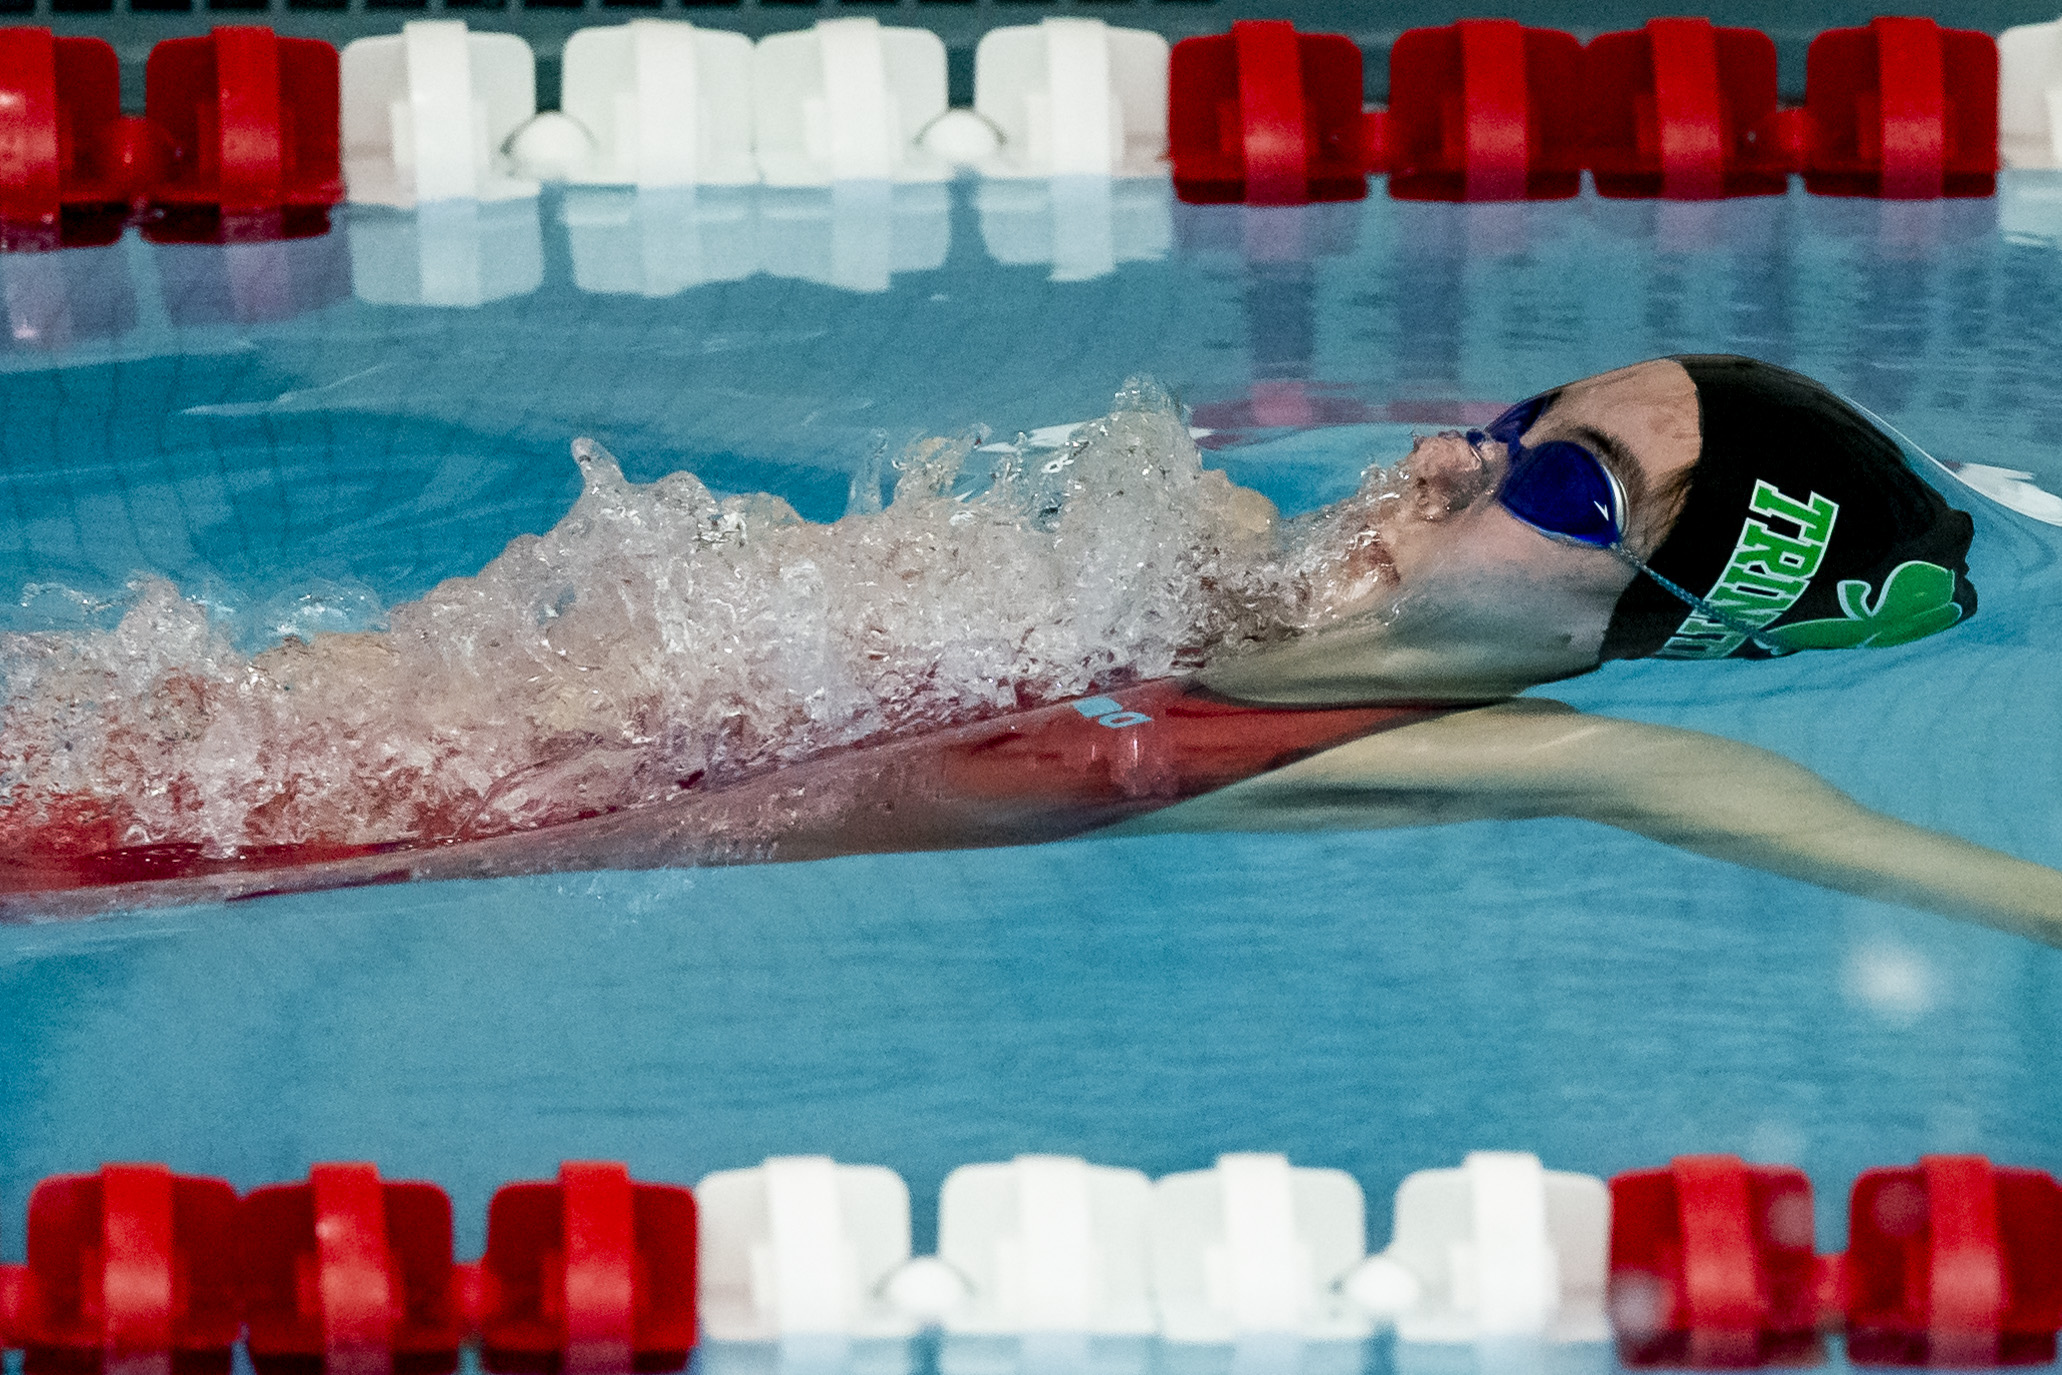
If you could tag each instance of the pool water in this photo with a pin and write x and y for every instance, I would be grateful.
(305, 433)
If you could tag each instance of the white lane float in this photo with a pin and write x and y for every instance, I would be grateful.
(1073, 97)
(1498, 1249)
(1255, 1248)
(1048, 1244)
(656, 103)
(2030, 95)
(801, 1246)
(846, 100)
(426, 113)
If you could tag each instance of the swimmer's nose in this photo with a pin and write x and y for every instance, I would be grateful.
(1451, 453)
(1452, 470)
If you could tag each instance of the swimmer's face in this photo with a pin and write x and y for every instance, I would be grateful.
(1481, 600)
(1480, 577)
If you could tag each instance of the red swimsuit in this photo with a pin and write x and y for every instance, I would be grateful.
(1031, 776)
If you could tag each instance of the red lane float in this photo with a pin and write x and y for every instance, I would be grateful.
(1902, 109)
(132, 1261)
(1712, 1264)
(1481, 111)
(351, 1270)
(241, 123)
(252, 122)
(1487, 109)
(1683, 110)
(594, 1272)
(63, 140)
(1954, 1262)
(594, 1269)
(1267, 116)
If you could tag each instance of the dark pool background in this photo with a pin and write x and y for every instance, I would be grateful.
(235, 418)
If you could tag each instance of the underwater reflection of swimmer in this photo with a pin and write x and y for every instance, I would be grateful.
(1111, 638)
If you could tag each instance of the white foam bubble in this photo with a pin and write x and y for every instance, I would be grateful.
(660, 637)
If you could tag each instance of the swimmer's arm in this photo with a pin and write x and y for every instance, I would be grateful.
(1700, 792)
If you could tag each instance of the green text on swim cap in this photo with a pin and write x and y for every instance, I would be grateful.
(1766, 575)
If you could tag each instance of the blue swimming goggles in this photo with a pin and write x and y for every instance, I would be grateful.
(1567, 493)
(1559, 488)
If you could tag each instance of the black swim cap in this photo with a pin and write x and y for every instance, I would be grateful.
(1806, 524)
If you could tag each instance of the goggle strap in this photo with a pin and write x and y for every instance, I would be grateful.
(1700, 605)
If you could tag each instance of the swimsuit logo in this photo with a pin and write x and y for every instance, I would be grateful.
(1767, 573)
(1918, 599)
(1108, 711)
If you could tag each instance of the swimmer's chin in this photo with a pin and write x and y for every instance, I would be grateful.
(1372, 662)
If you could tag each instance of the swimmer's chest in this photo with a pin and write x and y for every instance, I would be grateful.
(1082, 765)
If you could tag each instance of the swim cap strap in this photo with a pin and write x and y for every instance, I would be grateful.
(1702, 607)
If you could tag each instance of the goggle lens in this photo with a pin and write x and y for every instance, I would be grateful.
(1563, 489)
(1560, 488)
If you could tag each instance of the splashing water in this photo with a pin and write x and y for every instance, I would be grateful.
(659, 638)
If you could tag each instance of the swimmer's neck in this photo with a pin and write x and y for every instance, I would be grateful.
(1347, 666)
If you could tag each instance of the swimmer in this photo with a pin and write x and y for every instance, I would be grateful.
(1690, 508)
(1359, 668)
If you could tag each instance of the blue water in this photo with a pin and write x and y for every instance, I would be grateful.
(281, 427)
